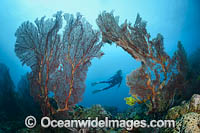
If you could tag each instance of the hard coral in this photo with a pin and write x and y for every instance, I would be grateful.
(189, 123)
(190, 106)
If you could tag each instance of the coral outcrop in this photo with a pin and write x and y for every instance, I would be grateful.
(188, 123)
(193, 105)
(187, 116)
(92, 112)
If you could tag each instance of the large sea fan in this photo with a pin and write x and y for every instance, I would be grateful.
(59, 61)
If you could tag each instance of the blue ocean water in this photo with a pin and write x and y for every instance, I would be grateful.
(174, 19)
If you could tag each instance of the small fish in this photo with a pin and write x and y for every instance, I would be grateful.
(130, 101)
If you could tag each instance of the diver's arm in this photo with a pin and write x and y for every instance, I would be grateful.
(111, 78)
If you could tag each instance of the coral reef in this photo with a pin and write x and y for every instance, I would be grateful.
(188, 123)
(92, 112)
(134, 112)
(112, 109)
(193, 105)
(80, 113)
(186, 120)
(157, 78)
(187, 116)
(59, 57)
(59, 62)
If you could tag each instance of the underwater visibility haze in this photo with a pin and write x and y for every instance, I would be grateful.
(96, 58)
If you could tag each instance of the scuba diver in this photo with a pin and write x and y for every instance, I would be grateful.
(113, 81)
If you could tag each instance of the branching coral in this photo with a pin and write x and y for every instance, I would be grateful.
(158, 71)
(80, 46)
(59, 62)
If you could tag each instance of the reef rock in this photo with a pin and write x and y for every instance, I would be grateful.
(96, 111)
(193, 105)
(80, 112)
(189, 123)
(177, 111)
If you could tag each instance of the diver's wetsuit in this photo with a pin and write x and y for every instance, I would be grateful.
(113, 81)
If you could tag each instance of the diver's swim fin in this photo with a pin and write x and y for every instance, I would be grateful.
(94, 83)
(96, 91)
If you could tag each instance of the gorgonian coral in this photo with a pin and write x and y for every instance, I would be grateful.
(158, 72)
(59, 61)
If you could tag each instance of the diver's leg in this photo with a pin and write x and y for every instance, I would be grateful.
(96, 91)
(108, 87)
(101, 82)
